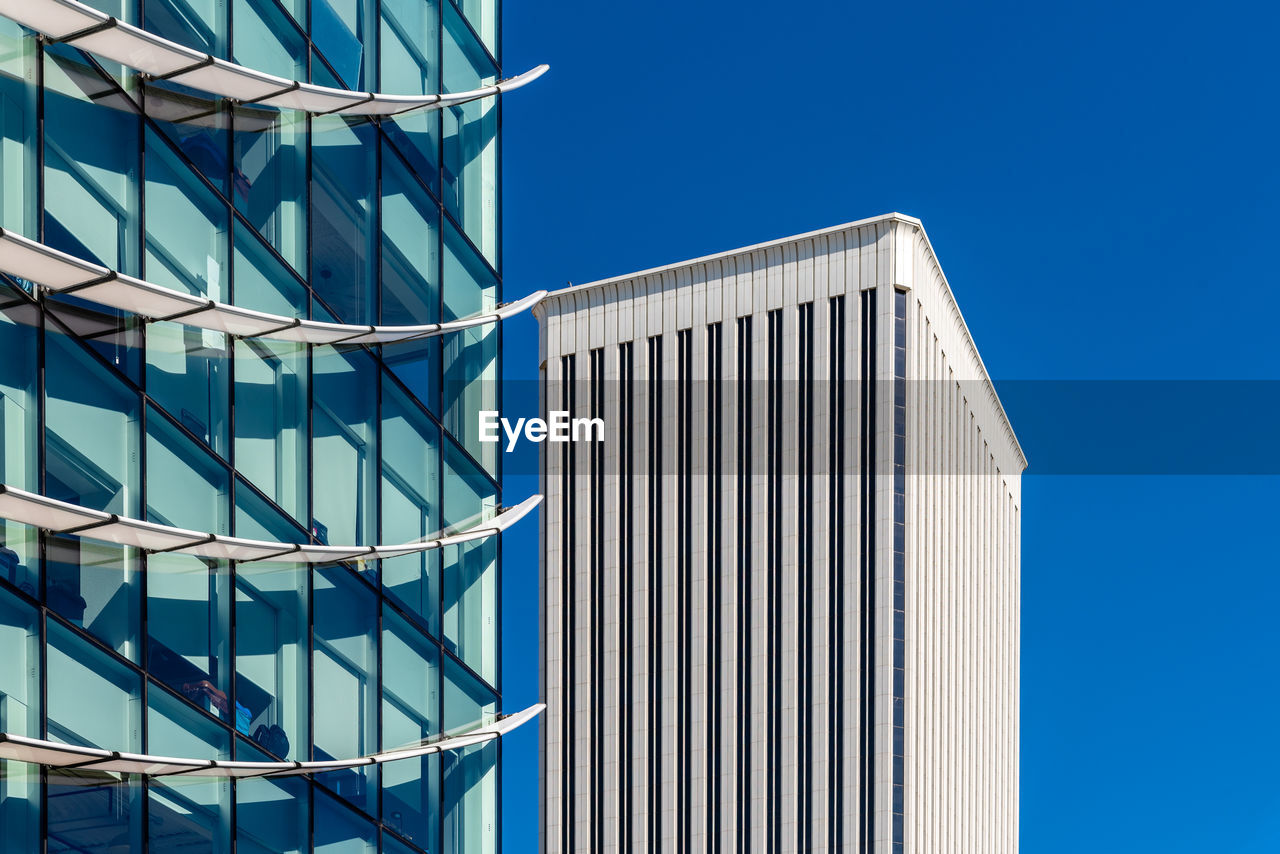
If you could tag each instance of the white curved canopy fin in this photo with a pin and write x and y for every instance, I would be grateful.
(74, 23)
(57, 755)
(61, 273)
(61, 517)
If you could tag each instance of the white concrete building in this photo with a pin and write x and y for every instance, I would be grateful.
(781, 599)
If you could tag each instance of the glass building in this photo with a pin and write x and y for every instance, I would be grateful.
(357, 220)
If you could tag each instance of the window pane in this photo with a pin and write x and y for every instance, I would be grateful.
(271, 636)
(188, 623)
(91, 427)
(410, 65)
(198, 123)
(271, 178)
(271, 815)
(263, 283)
(410, 713)
(470, 775)
(345, 487)
(344, 181)
(266, 39)
(191, 815)
(483, 17)
(410, 247)
(200, 24)
(187, 374)
(343, 31)
(186, 487)
(91, 180)
(17, 129)
(470, 356)
(271, 420)
(186, 227)
(470, 138)
(410, 502)
(18, 436)
(93, 701)
(19, 714)
(344, 664)
(341, 831)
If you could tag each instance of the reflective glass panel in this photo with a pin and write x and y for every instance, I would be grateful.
(270, 178)
(199, 24)
(483, 17)
(19, 714)
(188, 627)
(266, 39)
(271, 636)
(271, 420)
(272, 816)
(470, 775)
(410, 502)
(343, 198)
(410, 66)
(17, 129)
(187, 373)
(343, 420)
(344, 31)
(410, 713)
(186, 227)
(470, 138)
(19, 434)
(94, 701)
(345, 668)
(191, 815)
(339, 830)
(410, 247)
(470, 357)
(186, 488)
(91, 186)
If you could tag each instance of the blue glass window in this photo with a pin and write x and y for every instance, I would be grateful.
(345, 405)
(19, 714)
(470, 138)
(344, 664)
(189, 815)
(339, 830)
(269, 179)
(188, 627)
(411, 66)
(345, 33)
(19, 434)
(410, 714)
(343, 187)
(410, 502)
(17, 129)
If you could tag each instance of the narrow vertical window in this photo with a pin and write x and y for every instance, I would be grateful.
(866, 567)
(899, 558)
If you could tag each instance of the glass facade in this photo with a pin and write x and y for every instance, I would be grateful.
(391, 221)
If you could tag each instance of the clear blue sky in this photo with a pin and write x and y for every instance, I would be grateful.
(1101, 185)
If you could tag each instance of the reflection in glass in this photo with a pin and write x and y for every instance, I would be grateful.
(186, 227)
(271, 420)
(266, 39)
(19, 434)
(271, 815)
(410, 60)
(470, 138)
(345, 668)
(94, 701)
(344, 491)
(410, 247)
(17, 129)
(91, 186)
(339, 830)
(270, 179)
(410, 713)
(410, 502)
(470, 775)
(343, 187)
(344, 32)
(186, 488)
(19, 714)
(271, 636)
(191, 815)
(470, 356)
(199, 24)
(188, 628)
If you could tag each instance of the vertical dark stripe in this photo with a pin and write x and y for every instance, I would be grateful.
(715, 487)
(568, 378)
(774, 582)
(655, 593)
(804, 622)
(626, 533)
(596, 711)
(684, 572)
(899, 563)
(866, 561)
(835, 558)
(744, 422)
